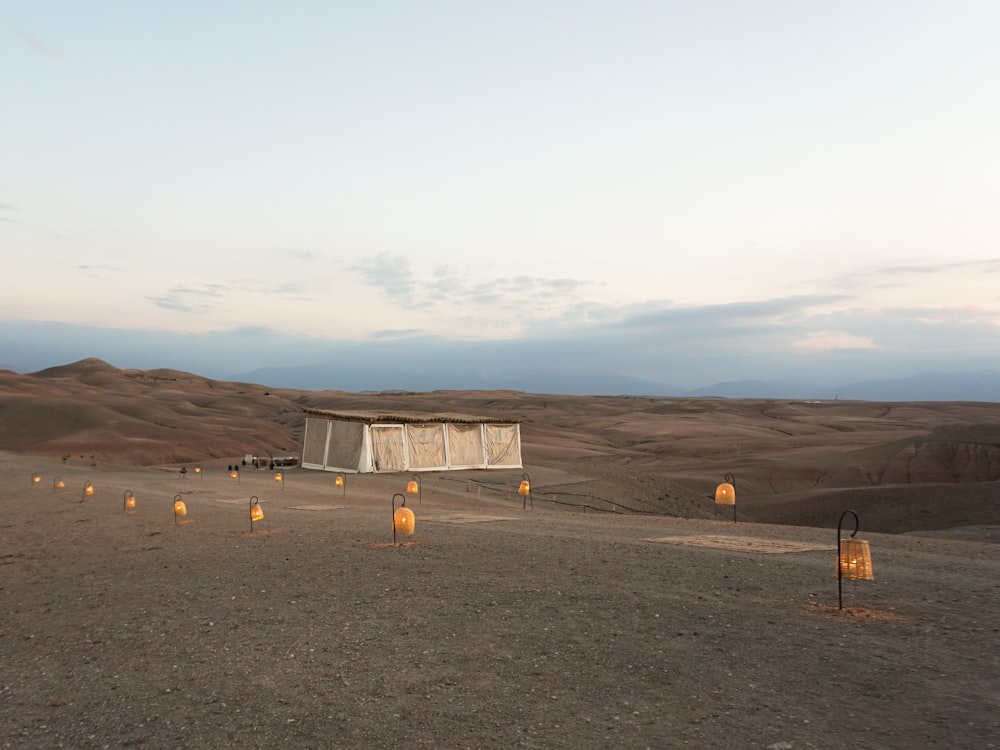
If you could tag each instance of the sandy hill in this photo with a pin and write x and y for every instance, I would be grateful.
(909, 466)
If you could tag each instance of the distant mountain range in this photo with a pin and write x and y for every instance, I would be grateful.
(927, 386)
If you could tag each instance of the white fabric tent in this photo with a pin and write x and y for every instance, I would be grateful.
(382, 442)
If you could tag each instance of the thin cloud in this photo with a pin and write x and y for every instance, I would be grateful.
(817, 341)
(37, 45)
(733, 315)
(99, 270)
(189, 299)
(390, 273)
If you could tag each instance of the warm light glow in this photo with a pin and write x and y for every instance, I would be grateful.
(725, 494)
(403, 521)
(130, 502)
(339, 481)
(855, 560)
(234, 474)
(413, 488)
(277, 477)
(524, 488)
(180, 509)
(59, 484)
(256, 512)
(197, 470)
(88, 489)
(35, 479)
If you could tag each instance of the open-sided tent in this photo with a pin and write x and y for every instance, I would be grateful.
(363, 442)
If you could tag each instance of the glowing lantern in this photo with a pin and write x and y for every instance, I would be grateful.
(256, 512)
(88, 490)
(197, 470)
(524, 490)
(180, 509)
(413, 488)
(128, 501)
(58, 484)
(35, 479)
(854, 558)
(403, 520)
(235, 474)
(341, 481)
(280, 478)
(725, 493)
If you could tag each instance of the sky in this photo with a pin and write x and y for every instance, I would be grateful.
(681, 193)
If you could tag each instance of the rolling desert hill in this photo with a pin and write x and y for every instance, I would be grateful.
(906, 466)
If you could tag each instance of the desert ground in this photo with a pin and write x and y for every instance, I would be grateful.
(620, 608)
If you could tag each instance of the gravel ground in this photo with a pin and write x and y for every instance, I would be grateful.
(492, 626)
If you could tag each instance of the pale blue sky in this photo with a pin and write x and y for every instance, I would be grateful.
(784, 179)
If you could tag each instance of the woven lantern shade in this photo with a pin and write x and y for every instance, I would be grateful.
(855, 560)
(403, 521)
(278, 476)
(256, 512)
(35, 479)
(338, 481)
(412, 487)
(725, 494)
(88, 489)
(180, 509)
(128, 500)
(524, 488)
(58, 484)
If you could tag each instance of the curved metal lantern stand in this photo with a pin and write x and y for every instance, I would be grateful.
(416, 487)
(524, 490)
(402, 517)
(256, 512)
(731, 479)
(840, 572)
(854, 555)
(179, 507)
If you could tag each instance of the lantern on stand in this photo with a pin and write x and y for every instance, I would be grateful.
(854, 558)
(234, 473)
(128, 501)
(403, 520)
(256, 512)
(413, 488)
(279, 477)
(57, 484)
(88, 491)
(341, 481)
(524, 490)
(725, 493)
(180, 509)
(35, 479)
